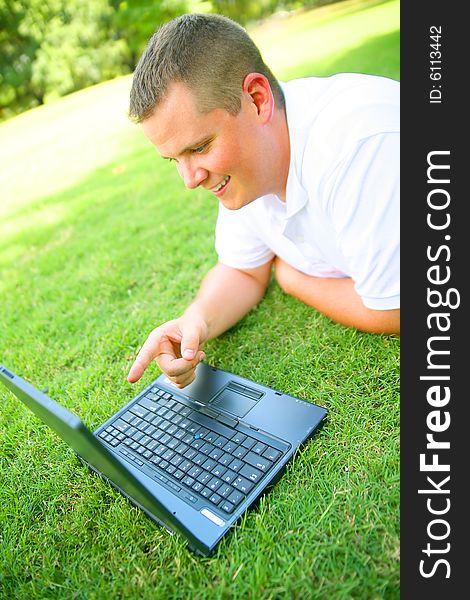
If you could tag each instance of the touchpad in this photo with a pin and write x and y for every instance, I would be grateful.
(236, 399)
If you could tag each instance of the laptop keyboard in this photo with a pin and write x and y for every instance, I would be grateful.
(192, 453)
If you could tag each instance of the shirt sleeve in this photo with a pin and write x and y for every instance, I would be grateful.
(236, 242)
(365, 208)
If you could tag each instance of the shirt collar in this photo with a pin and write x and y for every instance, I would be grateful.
(296, 196)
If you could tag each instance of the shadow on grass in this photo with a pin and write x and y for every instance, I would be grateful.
(379, 55)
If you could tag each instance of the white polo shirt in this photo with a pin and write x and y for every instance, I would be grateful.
(341, 214)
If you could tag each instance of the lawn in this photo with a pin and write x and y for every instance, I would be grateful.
(100, 242)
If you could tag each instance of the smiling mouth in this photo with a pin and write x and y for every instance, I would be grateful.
(221, 185)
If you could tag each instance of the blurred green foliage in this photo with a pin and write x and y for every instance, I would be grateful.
(53, 47)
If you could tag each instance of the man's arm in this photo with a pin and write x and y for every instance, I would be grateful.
(337, 299)
(225, 296)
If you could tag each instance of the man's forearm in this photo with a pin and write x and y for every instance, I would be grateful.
(336, 299)
(225, 296)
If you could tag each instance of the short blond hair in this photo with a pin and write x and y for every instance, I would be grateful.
(209, 53)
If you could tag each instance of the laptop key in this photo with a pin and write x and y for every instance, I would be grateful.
(218, 470)
(139, 411)
(235, 497)
(209, 464)
(191, 453)
(206, 492)
(199, 459)
(152, 445)
(197, 443)
(121, 425)
(168, 455)
(229, 476)
(181, 448)
(216, 454)
(146, 403)
(173, 443)
(251, 473)
(204, 477)
(271, 454)
(259, 448)
(238, 438)
(258, 461)
(239, 452)
(165, 439)
(225, 490)
(226, 506)
(229, 446)
(150, 429)
(236, 464)
(207, 448)
(194, 472)
(172, 429)
(215, 499)
(220, 441)
(225, 459)
(242, 484)
(127, 416)
(214, 484)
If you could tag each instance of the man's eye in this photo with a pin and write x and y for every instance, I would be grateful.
(200, 149)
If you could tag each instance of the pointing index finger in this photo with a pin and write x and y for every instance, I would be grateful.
(146, 354)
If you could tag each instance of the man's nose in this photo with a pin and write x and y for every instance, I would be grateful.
(192, 175)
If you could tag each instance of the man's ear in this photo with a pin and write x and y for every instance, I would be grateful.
(257, 87)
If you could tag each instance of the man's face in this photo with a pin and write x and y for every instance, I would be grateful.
(215, 150)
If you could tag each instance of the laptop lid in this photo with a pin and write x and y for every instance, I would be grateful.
(75, 433)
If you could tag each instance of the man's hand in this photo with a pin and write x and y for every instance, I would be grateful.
(225, 296)
(176, 346)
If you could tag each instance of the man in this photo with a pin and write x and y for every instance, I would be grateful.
(306, 175)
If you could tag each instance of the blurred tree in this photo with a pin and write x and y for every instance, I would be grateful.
(77, 46)
(17, 51)
(243, 11)
(51, 48)
(136, 20)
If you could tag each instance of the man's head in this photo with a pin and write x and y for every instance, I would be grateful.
(210, 54)
(206, 100)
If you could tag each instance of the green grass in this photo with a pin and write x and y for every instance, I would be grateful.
(99, 242)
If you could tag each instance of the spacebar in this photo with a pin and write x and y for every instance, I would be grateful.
(211, 424)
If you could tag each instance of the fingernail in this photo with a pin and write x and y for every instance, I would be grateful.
(188, 354)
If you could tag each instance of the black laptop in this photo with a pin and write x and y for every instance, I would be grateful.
(194, 460)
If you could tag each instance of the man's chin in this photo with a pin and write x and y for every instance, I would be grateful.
(236, 203)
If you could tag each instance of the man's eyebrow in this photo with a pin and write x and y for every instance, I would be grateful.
(198, 144)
